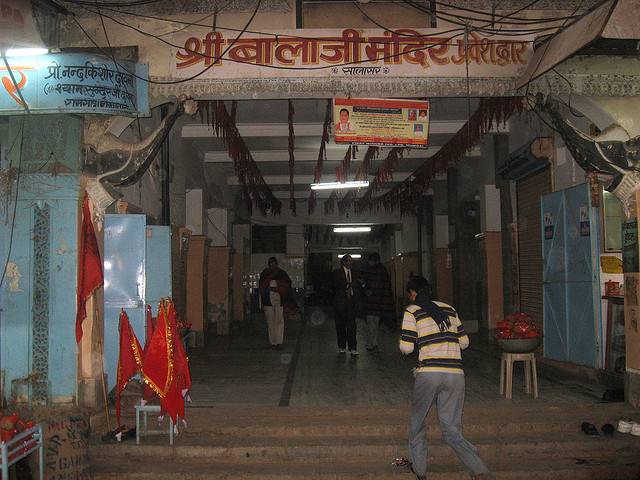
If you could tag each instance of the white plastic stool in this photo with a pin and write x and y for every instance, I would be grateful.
(145, 409)
(530, 373)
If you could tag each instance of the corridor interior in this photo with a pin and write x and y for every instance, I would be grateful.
(242, 369)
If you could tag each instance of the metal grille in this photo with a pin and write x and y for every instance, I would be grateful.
(40, 324)
(530, 190)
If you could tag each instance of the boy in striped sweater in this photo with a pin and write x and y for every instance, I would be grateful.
(434, 327)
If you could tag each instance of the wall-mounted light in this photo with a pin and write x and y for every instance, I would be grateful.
(26, 52)
(340, 185)
(353, 229)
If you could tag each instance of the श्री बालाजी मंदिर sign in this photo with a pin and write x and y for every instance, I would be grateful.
(349, 53)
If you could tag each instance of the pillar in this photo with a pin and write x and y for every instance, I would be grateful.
(490, 224)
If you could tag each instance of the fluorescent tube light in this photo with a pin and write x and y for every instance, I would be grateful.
(340, 185)
(26, 52)
(358, 229)
(352, 255)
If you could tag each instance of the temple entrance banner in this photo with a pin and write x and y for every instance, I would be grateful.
(349, 53)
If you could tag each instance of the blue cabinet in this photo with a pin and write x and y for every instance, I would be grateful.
(137, 272)
(571, 278)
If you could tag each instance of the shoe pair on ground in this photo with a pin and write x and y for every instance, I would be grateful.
(276, 347)
(120, 434)
(354, 353)
(591, 430)
(629, 426)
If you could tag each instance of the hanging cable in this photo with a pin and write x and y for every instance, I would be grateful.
(193, 77)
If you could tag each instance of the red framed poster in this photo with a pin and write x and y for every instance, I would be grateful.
(376, 121)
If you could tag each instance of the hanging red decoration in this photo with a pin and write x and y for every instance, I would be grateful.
(291, 146)
(322, 156)
(330, 203)
(254, 188)
(495, 110)
(383, 175)
(363, 170)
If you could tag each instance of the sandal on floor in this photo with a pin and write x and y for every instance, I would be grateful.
(590, 429)
(608, 429)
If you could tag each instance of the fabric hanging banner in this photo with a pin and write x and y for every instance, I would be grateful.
(129, 358)
(90, 275)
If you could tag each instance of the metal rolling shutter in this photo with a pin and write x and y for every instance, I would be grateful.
(529, 191)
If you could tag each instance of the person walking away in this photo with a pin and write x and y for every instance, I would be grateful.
(378, 299)
(275, 292)
(439, 376)
(347, 290)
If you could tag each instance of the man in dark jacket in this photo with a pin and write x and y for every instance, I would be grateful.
(378, 299)
(347, 290)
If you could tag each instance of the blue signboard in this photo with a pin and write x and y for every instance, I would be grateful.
(73, 83)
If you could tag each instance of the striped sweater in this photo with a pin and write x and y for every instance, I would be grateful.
(438, 351)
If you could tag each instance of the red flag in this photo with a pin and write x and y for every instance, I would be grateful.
(89, 265)
(147, 392)
(165, 365)
(129, 359)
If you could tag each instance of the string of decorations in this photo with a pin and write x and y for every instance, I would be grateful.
(292, 158)
(342, 171)
(322, 156)
(383, 175)
(407, 194)
(330, 203)
(370, 155)
(255, 190)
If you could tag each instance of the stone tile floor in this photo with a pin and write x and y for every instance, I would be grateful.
(241, 369)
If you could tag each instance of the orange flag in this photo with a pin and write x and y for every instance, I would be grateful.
(89, 265)
(129, 359)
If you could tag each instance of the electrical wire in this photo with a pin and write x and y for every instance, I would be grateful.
(132, 3)
(278, 67)
(15, 200)
(193, 77)
(548, 44)
(470, 10)
(463, 20)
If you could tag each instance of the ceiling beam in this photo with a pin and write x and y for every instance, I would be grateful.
(301, 129)
(307, 179)
(333, 155)
(320, 194)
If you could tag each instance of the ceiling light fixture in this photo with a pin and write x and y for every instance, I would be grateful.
(340, 185)
(353, 229)
(352, 255)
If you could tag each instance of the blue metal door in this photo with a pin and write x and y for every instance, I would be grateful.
(571, 282)
(158, 266)
(124, 282)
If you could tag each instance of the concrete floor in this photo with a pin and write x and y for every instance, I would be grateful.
(241, 369)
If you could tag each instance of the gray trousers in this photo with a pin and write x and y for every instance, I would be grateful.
(447, 389)
(371, 326)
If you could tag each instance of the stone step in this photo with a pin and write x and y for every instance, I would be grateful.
(293, 422)
(586, 467)
(266, 449)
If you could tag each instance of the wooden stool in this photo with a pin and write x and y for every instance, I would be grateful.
(506, 364)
